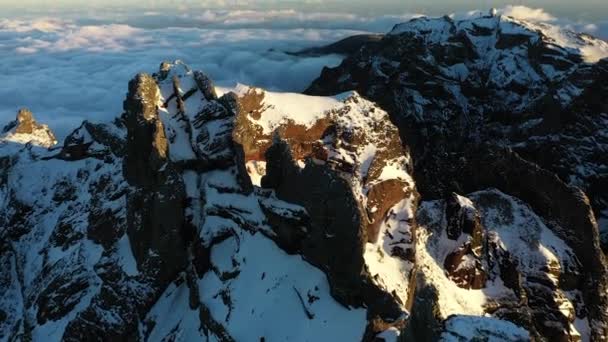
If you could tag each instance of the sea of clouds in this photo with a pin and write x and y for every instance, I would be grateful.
(67, 69)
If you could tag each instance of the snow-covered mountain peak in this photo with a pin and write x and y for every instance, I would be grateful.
(482, 66)
(497, 30)
(24, 129)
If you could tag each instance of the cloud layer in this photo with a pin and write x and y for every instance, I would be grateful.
(67, 70)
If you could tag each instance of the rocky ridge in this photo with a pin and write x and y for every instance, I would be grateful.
(503, 104)
(533, 87)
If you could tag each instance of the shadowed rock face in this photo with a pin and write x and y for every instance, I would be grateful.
(335, 216)
(464, 265)
(345, 46)
(336, 233)
(147, 147)
(155, 213)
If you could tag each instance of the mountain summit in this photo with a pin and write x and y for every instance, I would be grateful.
(25, 129)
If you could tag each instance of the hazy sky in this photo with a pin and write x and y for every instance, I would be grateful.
(575, 10)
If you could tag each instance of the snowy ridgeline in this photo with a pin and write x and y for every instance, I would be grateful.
(439, 30)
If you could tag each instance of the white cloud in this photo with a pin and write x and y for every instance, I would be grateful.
(527, 13)
(99, 38)
(81, 72)
(25, 50)
(40, 24)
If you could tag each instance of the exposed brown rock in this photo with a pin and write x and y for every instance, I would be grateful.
(465, 269)
(303, 140)
(249, 135)
(380, 199)
(252, 103)
(25, 122)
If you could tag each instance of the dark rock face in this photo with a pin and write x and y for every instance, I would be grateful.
(345, 46)
(80, 144)
(573, 146)
(147, 147)
(464, 265)
(334, 213)
(463, 218)
(425, 323)
(155, 211)
(336, 234)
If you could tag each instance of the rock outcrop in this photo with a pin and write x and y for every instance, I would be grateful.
(25, 129)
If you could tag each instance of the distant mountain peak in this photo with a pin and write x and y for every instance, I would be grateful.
(25, 129)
